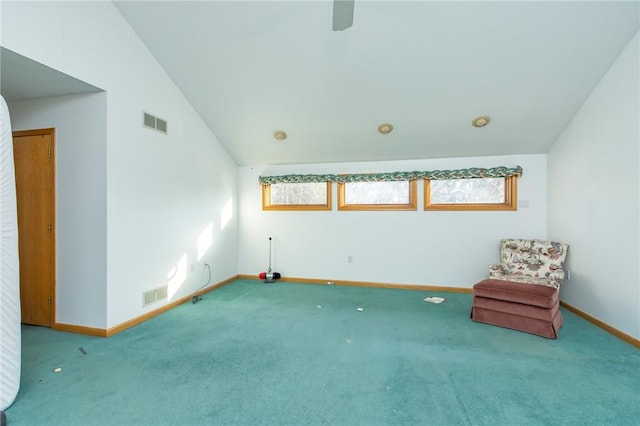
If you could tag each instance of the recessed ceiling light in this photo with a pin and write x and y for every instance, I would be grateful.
(481, 121)
(280, 135)
(385, 128)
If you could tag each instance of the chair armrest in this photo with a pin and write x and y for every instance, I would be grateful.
(498, 269)
(556, 277)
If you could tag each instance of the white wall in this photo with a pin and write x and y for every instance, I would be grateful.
(594, 198)
(81, 204)
(397, 247)
(162, 191)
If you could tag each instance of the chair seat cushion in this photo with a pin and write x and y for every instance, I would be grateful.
(525, 279)
(526, 294)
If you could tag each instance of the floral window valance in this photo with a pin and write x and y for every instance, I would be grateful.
(471, 173)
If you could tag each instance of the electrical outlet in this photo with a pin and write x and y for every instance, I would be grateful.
(568, 275)
(349, 259)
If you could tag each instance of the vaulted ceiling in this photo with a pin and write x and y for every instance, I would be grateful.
(429, 68)
(251, 68)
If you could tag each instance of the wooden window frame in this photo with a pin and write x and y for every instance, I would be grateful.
(510, 203)
(411, 206)
(267, 205)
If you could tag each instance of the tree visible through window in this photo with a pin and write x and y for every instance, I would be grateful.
(467, 191)
(384, 195)
(471, 194)
(297, 196)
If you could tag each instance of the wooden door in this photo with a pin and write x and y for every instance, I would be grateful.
(33, 152)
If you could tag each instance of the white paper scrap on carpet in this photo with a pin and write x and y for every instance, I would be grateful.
(435, 299)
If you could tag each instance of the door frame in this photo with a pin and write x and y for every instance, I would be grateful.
(52, 133)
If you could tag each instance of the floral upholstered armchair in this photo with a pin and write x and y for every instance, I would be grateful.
(531, 261)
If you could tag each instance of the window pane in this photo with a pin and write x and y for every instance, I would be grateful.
(377, 192)
(384, 195)
(299, 193)
(468, 191)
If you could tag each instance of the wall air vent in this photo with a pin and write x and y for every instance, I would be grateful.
(161, 125)
(149, 120)
(155, 123)
(153, 295)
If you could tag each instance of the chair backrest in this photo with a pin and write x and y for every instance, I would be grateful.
(534, 258)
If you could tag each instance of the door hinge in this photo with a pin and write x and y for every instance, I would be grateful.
(49, 300)
(49, 151)
(50, 227)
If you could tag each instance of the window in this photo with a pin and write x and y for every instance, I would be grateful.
(377, 195)
(471, 194)
(473, 188)
(297, 196)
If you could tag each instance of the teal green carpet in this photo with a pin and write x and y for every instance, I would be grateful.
(299, 354)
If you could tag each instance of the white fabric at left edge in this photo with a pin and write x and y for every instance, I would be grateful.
(10, 340)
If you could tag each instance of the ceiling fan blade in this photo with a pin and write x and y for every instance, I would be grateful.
(342, 14)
